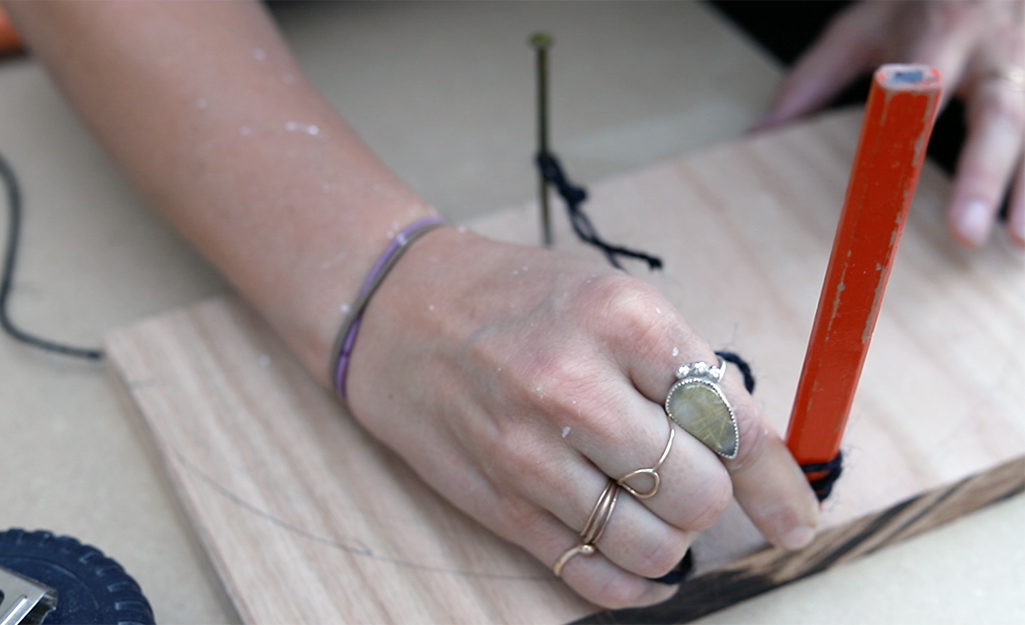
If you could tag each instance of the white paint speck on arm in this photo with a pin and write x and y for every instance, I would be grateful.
(331, 261)
(676, 352)
(311, 129)
(565, 431)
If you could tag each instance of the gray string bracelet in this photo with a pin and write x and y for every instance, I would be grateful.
(346, 340)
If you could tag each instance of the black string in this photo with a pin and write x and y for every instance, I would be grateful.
(574, 197)
(679, 573)
(745, 369)
(823, 486)
(7, 281)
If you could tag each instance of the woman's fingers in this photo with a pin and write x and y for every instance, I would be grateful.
(595, 576)
(546, 516)
(766, 480)
(634, 538)
(602, 430)
(654, 527)
(847, 48)
(626, 437)
(977, 47)
(990, 158)
(1016, 206)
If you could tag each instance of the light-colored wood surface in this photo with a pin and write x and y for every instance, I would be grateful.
(307, 519)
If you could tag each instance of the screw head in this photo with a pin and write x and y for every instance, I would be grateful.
(541, 40)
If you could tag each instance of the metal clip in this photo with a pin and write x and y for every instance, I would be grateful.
(22, 600)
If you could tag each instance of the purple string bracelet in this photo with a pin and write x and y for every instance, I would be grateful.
(346, 340)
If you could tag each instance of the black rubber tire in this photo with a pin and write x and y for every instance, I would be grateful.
(91, 588)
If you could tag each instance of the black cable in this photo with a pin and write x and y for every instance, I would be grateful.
(7, 281)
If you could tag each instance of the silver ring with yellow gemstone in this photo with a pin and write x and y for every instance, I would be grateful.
(697, 404)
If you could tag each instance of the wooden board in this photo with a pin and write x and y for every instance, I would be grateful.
(307, 519)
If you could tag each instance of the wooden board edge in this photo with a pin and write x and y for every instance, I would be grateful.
(772, 567)
(161, 467)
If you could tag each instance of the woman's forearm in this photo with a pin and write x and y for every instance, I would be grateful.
(205, 111)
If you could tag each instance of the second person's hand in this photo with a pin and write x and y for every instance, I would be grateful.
(979, 50)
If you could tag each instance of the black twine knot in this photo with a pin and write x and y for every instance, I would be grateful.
(574, 196)
(823, 486)
(745, 369)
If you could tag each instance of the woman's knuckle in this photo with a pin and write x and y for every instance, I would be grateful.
(564, 374)
(636, 310)
(658, 558)
(517, 456)
(708, 503)
(520, 516)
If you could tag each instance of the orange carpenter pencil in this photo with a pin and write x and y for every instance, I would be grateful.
(10, 41)
(898, 120)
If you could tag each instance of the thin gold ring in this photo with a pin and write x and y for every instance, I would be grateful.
(601, 514)
(653, 471)
(583, 549)
(1012, 76)
(593, 529)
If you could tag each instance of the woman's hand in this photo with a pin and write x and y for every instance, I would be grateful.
(979, 49)
(517, 381)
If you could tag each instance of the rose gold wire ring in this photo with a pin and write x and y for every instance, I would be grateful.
(593, 529)
(653, 471)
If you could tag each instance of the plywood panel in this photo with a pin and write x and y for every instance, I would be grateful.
(308, 519)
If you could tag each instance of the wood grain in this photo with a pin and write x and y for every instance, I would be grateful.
(308, 519)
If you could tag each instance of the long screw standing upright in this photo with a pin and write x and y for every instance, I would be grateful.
(540, 42)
